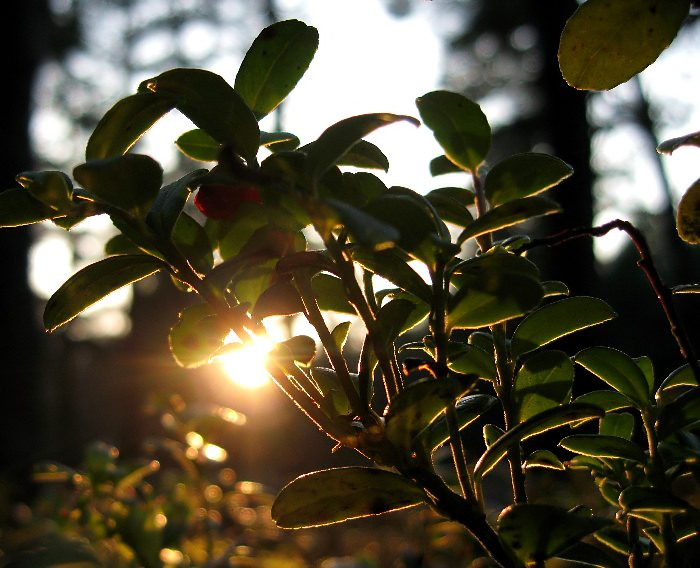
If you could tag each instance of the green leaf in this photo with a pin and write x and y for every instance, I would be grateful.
(340, 334)
(617, 424)
(589, 555)
(364, 154)
(523, 175)
(688, 215)
(169, 203)
(683, 376)
(543, 381)
(197, 336)
(300, 348)
(686, 289)
(130, 182)
(468, 409)
(473, 360)
(650, 500)
(451, 208)
(93, 283)
(681, 414)
(552, 418)
(359, 188)
(365, 228)
(416, 226)
(606, 43)
(123, 124)
(198, 145)
(647, 367)
(491, 434)
(391, 266)
(336, 140)
(443, 165)
(520, 527)
(415, 407)
(392, 318)
(280, 299)
(192, 241)
(18, 207)
(493, 288)
(606, 399)
(274, 63)
(668, 146)
(54, 189)
(336, 495)
(336, 401)
(599, 446)
(212, 105)
(509, 214)
(543, 459)
(618, 370)
(556, 320)
(279, 141)
(554, 288)
(330, 294)
(459, 126)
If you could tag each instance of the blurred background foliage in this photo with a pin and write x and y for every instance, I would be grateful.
(69, 60)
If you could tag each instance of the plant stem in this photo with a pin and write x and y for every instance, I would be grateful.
(453, 506)
(505, 394)
(387, 363)
(315, 318)
(438, 327)
(663, 293)
(658, 480)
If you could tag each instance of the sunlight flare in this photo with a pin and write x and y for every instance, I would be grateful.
(245, 365)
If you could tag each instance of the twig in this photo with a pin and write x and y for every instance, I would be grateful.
(646, 263)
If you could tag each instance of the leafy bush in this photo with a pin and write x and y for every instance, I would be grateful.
(492, 322)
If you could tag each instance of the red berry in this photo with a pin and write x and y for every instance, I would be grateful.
(222, 201)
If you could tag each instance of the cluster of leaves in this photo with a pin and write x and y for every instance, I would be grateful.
(491, 320)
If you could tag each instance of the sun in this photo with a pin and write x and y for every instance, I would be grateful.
(245, 366)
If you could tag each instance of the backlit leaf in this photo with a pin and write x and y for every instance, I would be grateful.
(608, 400)
(336, 140)
(130, 182)
(196, 336)
(509, 214)
(52, 188)
(493, 288)
(606, 43)
(365, 228)
(523, 175)
(442, 165)
(544, 459)
(683, 376)
(198, 145)
(468, 409)
(274, 63)
(650, 500)
(123, 124)
(600, 446)
(192, 241)
(473, 360)
(391, 266)
(688, 215)
(330, 294)
(543, 381)
(620, 424)
(18, 207)
(557, 319)
(668, 146)
(520, 528)
(551, 418)
(415, 407)
(336, 495)
(459, 126)
(279, 141)
(212, 105)
(618, 370)
(169, 203)
(682, 413)
(364, 154)
(93, 283)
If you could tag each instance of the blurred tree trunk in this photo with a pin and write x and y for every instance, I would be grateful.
(23, 412)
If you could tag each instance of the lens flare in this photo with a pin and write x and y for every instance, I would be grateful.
(245, 365)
